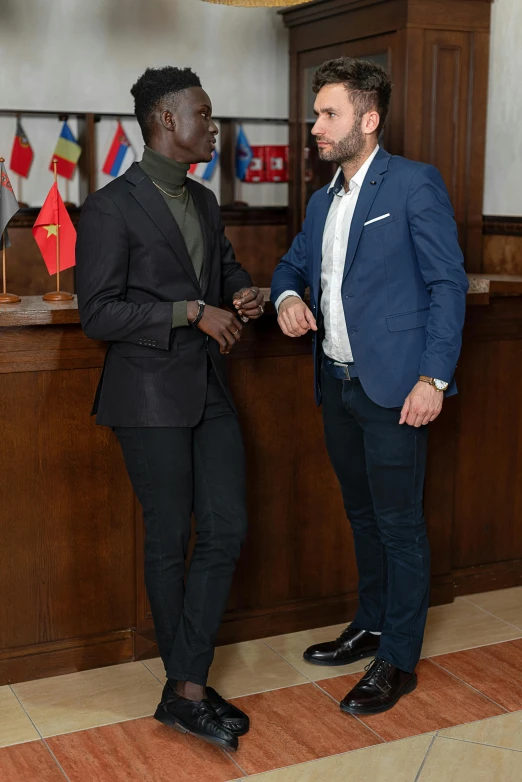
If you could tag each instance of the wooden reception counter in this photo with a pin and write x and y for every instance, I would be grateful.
(71, 575)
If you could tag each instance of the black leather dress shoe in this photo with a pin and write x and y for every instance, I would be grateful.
(379, 689)
(232, 718)
(195, 717)
(352, 645)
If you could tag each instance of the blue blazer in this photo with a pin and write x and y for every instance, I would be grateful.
(404, 286)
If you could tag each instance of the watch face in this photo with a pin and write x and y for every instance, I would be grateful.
(441, 385)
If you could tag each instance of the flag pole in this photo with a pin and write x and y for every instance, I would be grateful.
(5, 297)
(57, 295)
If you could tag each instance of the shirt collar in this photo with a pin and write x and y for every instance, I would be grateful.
(337, 182)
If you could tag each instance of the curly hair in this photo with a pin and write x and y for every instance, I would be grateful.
(368, 84)
(155, 84)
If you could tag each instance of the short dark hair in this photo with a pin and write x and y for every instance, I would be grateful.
(369, 85)
(155, 84)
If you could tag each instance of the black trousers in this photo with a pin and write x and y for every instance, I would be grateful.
(174, 472)
(381, 466)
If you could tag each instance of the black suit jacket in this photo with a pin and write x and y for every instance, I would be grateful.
(131, 264)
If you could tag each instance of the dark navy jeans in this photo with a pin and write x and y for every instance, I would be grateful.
(380, 466)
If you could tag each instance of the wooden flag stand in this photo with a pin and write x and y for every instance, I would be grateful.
(5, 297)
(57, 295)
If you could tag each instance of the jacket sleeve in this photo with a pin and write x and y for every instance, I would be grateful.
(291, 273)
(102, 263)
(434, 234)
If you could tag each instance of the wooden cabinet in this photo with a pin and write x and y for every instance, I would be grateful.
(437, 54)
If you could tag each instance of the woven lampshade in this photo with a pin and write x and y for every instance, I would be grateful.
(258, 3)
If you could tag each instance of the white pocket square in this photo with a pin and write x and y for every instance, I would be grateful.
(377, 218)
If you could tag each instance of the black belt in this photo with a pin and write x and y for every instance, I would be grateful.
(339, 370)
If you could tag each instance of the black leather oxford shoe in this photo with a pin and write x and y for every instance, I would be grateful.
(232, 718)
(352, 645)
(379, 689)
(195, 717)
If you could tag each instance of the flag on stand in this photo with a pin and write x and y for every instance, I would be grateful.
(8, 205)
(243, 154)
(205, 171)
(22, 153)
(121, 154)
(67, 153)
(52, 221)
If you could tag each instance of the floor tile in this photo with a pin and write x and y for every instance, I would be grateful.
(15, 725)
(140, 751)
(28, 763)
(506, 604)
(504, 731)
(243, 669)
(293, 725)
(292, 646)
(439, 701)
(457, 761)
(397, 762)
(77, 701)
(494, 670)
(461, 625)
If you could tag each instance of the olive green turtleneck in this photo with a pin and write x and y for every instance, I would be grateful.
(171, 176)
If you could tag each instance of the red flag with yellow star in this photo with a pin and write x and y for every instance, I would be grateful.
(53, 222)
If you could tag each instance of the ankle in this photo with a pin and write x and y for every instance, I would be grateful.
(188, 690)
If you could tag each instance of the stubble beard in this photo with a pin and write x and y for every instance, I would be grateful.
(347, 150)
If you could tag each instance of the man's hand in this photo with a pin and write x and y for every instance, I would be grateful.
(422, 405)
(219, 324)
(295, 318)
(249, 303)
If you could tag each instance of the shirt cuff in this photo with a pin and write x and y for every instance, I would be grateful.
(283, 296)
(179, 314)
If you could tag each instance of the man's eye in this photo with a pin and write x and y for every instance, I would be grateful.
(331, 114)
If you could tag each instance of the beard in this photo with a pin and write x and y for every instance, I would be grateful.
(346, 150)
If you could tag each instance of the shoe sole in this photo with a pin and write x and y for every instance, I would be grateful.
(338, 663)
(361, 710)
(167, 719)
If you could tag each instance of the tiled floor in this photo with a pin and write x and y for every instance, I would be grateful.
(463, 723)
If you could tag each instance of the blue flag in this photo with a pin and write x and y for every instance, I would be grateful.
(243, 154)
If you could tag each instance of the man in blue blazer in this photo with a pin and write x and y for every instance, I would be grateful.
(379, 251)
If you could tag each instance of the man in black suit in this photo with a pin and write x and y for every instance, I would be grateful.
(154, 273)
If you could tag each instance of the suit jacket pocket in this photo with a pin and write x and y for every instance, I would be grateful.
(408, 320)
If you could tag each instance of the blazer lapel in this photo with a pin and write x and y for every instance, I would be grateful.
(148, 197)
(205, 221)
(369, 190)
(320, 222)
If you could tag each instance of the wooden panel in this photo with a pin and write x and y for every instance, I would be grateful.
(502, 254)
(66, 526)
(259, 249)
(453, 15)
(488, 501)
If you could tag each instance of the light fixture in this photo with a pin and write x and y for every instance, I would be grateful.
(258, 3)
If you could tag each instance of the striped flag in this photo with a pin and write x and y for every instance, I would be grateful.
(8, 204)
(121, 154)
(205, 171)
(67, 153)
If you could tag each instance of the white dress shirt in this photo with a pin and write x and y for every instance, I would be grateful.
(336, 233)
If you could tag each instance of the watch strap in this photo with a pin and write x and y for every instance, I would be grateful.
(201, 310)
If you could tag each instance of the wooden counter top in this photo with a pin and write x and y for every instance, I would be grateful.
(33, 311)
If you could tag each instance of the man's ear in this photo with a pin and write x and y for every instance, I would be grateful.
(167, 120)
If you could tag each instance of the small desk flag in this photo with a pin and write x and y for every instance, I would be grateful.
(67, 153)
(243, 154)
(121, 154)
(22, 153)
(8, 204)
(53, 219)
(205, 171)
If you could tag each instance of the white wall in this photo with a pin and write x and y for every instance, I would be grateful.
(84, 55)
(503, 183)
